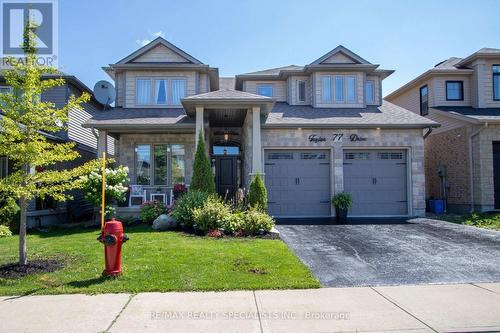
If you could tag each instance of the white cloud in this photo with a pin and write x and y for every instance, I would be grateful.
(153, 35)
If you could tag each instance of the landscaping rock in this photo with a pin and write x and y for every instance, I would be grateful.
(164, 222)
(274, 233)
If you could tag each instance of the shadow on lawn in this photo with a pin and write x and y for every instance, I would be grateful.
(88, 282)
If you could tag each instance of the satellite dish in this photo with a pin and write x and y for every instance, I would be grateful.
(104, 92)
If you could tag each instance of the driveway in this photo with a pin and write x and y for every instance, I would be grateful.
(420, 251)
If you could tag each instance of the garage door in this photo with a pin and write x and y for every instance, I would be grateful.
(298, 182)
(376, 180)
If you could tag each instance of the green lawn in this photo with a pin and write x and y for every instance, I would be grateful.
(156, 261)
(489, 221)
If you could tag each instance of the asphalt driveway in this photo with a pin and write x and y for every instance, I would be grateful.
(396, 253)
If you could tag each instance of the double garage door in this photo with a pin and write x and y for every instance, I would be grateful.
(298, 182)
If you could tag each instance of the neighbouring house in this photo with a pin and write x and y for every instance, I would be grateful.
(463, 155)
(312, 131)
(48, 211)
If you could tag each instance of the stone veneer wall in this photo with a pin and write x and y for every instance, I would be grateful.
(127, 144)
(410, 139)
(450, 148)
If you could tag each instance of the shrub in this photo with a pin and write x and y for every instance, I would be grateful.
(183, 208)
(9, 211)
(150, 210)
(5, 231)
(212, 215)
(202, 171)
(257, 196)
(234, 222)
(216, 233)
(342, 200)
(179, 189)
(255, 220)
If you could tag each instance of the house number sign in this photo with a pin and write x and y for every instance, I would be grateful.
(335, 137)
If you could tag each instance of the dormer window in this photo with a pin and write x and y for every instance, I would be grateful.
(496, 82)
(160, 91)
(301, 86)
(343, 89)
(265, 89)
(454, 90)
(351, 89)
(339, 89)
(143, 91)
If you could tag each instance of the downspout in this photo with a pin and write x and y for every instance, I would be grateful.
(428, 133)
(471, 171)
(95, 134)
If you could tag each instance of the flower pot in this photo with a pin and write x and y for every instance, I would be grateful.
(341, 215)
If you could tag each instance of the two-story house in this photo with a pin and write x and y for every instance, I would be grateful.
(463, 155)
(312, 131)
(47, 212)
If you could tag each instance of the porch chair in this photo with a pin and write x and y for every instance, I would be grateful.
(137, 191)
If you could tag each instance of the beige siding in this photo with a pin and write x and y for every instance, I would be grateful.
(293, 90)
(338, 58)
(410, 99)
(131, 79)
(203, 84)
(439, 90)
(160, 54)
(319, 87)
(120, 88)
(447, 123)
(488, 84)
(279, 88)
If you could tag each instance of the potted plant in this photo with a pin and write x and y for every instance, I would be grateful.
(342, 202)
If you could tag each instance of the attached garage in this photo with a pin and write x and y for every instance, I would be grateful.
(298, 182)
(377, 181)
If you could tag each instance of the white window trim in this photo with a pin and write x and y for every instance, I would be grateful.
(259, 85)
(345, 89)
(152, 97)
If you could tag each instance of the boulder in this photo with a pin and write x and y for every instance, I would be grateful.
(164, 222)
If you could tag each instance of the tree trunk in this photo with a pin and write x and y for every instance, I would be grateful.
(23, 257)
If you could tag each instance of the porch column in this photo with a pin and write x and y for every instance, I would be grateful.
(102, 143)
(256, 142)
(199, 125)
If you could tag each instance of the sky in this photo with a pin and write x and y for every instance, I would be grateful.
(237, 37)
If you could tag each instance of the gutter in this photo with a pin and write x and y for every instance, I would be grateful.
(471, 171)
(428, 133)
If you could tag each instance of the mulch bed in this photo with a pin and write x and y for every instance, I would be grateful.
(15, 271)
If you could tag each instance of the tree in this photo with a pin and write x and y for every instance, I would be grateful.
(202, 172)
(257, 195)
(23, 127)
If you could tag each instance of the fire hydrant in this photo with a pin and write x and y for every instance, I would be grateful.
(112, 237)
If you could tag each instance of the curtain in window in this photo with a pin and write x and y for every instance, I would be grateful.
(339, 88)
(143, 164)
(178, 91)
(143, 91)
(327, 89)
(351, 89)
(178, 164)
(160, 91)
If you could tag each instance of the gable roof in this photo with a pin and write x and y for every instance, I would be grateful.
(485, 52)
(275, 71)
(151, 45)
(340, 50)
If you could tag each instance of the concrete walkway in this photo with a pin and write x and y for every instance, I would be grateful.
(423, 308)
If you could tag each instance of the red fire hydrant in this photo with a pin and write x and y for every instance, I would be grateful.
(112, 237)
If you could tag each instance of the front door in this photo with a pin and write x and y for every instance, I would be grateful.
(226, 175)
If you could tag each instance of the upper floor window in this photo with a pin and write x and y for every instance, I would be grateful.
(454, 90)
(424, 100)
(162, 91)
(351, 89)
(302, 91)
(339, 89)
(265, 90)
(326, 85)
(369, 91)
(496, 82)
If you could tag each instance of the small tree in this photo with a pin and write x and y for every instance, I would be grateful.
(25, 121)
(202, 172)
(257, 196)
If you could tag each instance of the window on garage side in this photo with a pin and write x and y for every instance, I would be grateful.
(357, 156)
(496, 82)
(280, 156)
(265, 89)
(424, 100)
(454, 90)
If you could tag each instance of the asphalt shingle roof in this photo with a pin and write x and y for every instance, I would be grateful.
(141, 116)
(387, 114)
(228, 94)
(275, 71)
(481, 114)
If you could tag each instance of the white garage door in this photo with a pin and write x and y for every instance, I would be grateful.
(298, 182)
(376, 180)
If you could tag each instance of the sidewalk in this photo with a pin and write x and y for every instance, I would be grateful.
(424, 308)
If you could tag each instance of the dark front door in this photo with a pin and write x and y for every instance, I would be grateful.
(225, 167)
(496, 172)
